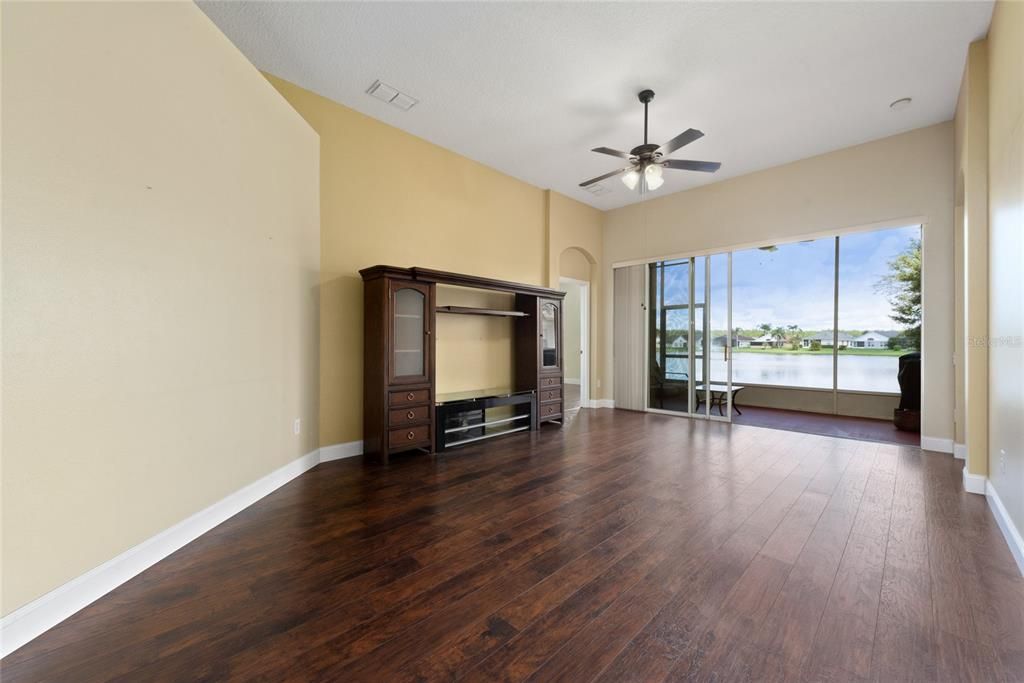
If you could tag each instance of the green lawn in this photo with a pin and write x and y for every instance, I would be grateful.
(827, 351)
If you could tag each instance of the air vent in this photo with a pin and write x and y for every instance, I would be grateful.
(597, 189)
(391, 95)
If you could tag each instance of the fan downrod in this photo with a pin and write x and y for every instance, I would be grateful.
(645, 96)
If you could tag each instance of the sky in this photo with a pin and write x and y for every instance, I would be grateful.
(793, 284)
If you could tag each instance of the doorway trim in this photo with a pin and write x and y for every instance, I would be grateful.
(584, 322)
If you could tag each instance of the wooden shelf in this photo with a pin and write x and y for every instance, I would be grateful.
(467, 310)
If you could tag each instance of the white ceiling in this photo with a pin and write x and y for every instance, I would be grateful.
(530, 88)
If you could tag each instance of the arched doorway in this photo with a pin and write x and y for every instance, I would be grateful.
(575, 275)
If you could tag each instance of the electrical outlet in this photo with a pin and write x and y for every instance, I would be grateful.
(1002, 461)
(297, 426)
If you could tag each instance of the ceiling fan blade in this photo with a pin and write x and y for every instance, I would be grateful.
(610, 151)
(680, 140)
(605, 176)
(687, 165)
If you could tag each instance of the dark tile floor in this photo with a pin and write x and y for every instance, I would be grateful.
(620, 546)
(840, 426)
(571, 396)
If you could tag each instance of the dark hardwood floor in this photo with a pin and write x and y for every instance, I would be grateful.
(622, 547)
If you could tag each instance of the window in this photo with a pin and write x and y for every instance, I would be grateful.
(670, 284)
(784, 311)
(783, 314)
(879, 305)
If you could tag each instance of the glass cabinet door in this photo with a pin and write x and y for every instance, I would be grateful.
(410, 330)
(550, 336)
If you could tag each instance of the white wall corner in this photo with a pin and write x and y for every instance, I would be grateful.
(939, 445)
(974, 483)
(341, 450)
(1006, 525)
(960, 451)
(45, 612)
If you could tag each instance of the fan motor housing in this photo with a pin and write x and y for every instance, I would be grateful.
(645, 152)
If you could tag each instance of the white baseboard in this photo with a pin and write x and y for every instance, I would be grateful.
(960, 451)
(570, 381)
(932, 443)
(45, 612)
(1006, 525)
(602, 403)
(974, 483)
(341, 450)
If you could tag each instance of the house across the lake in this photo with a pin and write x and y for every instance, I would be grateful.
(738, 340)
(825, 340)
(767, 341)
(870, 340)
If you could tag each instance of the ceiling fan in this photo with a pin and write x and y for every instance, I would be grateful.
(646, 161)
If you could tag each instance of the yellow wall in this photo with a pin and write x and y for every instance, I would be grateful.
(571, 334)
(900, 177)
(576, 239)
(971, 259)
(160, 257)
(1006, 256)
(959, 339)
(389, 197)
(573, 264)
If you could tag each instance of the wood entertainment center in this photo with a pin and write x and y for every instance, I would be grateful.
(401, 409)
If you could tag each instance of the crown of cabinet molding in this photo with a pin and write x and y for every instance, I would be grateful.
(444, 277)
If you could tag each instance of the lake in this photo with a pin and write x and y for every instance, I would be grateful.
(856, 373)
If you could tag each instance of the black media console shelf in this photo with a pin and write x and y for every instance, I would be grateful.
(461, 418)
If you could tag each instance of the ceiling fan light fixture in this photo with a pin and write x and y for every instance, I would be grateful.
(631, 178)
(653, 177)
(648, 161)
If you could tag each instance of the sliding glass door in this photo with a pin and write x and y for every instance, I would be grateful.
(690, 337)
(819, 325)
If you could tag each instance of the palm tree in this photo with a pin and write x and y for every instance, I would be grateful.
(794, 336)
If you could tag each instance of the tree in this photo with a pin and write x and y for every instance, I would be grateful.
(794, 335)
(903, 285)
(765, 327)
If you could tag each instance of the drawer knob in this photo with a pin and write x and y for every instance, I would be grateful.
(410, 396)
(410, 415)
(411, 436)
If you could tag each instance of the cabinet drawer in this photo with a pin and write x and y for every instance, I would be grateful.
(547, 395)
(550, 410)
(546, 382)
(408, 436)
(409, 415)
(410, 397)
